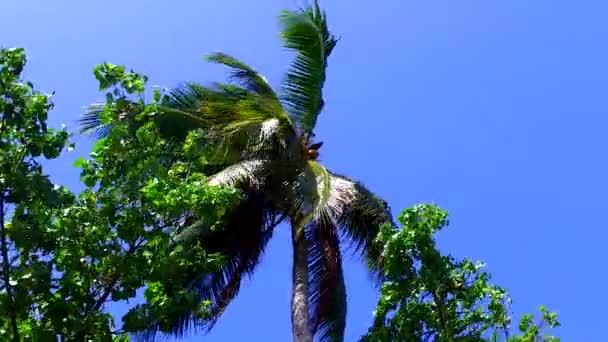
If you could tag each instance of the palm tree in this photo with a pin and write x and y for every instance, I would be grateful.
(264, 145)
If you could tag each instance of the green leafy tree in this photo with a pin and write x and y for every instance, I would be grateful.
(27, 196)
(64, 257)
(262, 143)
(428, 296)
(142, 198)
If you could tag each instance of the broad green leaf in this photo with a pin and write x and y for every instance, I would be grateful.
(80, 162)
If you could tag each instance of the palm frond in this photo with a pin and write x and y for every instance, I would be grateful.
(247, 139)
(248, 176)
(172, 122)
(243, 265)
(191, 106)
(305, 31)
(242, 241)
(344, 203)
(310, 189)
(361, 214)
(91, 122)
(221, 104)
(234, 119)
(191, 231)
(245, 75)
(191, 96)
(327, 290)
(323, 185)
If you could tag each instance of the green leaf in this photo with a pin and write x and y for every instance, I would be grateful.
(157, 95)
(89, 181)
(99, 145)
(244, 74)
(429, 293)
(80, 163)
(305, 31)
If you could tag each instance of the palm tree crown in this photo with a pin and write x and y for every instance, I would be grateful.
(263, 144)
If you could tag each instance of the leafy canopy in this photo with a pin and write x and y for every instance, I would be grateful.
(428, 296)
(65, 256)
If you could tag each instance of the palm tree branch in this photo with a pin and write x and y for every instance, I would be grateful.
(94, 119)
(247, 176)
(323, 185)
(327, 290)
(230, 115)
(245, 75)
(242, 241)
(360, 214)
(91, 121)
(305, 31)
(362, 222)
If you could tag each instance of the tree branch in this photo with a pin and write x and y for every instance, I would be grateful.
(108, 289)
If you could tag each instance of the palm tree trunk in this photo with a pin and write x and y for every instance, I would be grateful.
(299, 301)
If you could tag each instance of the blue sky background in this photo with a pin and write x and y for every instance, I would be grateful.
(495, 110)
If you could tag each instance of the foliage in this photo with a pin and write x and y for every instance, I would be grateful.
(428, 296)
(145, 185)
(28, 289)
(182, 196)
(306, 32)
(261, 142)
(65, 256)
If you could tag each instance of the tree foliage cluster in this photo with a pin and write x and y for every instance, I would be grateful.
(182, 193)
(429, 296)
(65, 256)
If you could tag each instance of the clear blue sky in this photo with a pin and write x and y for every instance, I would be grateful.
(495, 110)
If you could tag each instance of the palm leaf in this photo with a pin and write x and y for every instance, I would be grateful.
(220, 108)
(236, 121)
(212, 107)
(310, 189)
(347, 204)
(333, 201)
(245, 75)
(91, 122)
(253, 81)
(172, 122)
(360, 213)
(92, 119)
(241, 241)
(305, 31)
(327, 290)
(221, 104)
(191, 96)
(248, 176)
